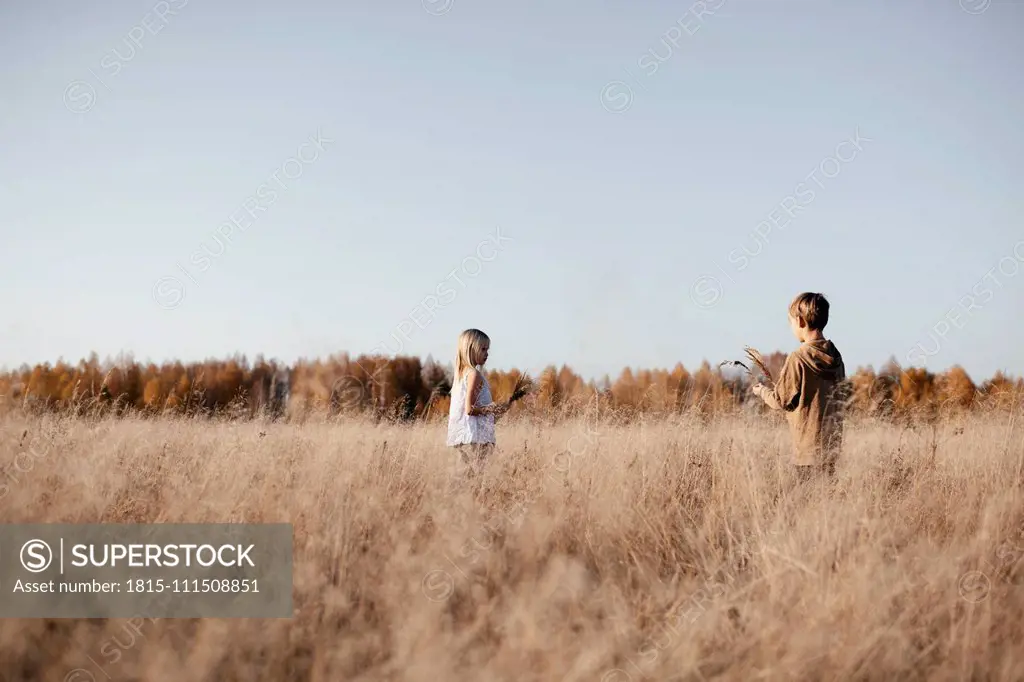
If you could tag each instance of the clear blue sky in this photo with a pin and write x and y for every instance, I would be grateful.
(130, 131)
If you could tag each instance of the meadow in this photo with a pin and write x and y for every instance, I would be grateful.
(597, 549)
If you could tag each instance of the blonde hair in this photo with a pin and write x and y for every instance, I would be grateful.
(811, 308)
(470, 343)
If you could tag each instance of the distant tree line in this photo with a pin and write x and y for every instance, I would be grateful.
(406, 389)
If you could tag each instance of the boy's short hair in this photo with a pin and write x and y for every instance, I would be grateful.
(812, 308)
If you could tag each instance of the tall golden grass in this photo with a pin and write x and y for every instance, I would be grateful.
(659, 549)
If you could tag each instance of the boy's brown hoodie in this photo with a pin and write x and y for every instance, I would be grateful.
(810, 389)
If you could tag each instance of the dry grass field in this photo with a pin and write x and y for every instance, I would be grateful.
(586, 552)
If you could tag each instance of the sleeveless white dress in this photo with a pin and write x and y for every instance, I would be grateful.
(464, 429)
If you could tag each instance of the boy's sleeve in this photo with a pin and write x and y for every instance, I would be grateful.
(786, 392)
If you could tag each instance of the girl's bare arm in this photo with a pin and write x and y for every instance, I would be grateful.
(473, 387)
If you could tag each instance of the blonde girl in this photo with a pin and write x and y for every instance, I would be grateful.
(472, 413)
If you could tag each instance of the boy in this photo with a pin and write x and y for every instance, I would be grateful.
(810, 389)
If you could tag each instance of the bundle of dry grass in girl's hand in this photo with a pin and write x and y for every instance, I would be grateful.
(523, 387)
(757, 360)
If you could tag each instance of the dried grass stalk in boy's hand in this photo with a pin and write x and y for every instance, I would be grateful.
(755, 358)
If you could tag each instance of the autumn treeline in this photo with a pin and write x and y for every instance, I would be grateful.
(406, 388)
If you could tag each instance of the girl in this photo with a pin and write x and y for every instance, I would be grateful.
(472, 413)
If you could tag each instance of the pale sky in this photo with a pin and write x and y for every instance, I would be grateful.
(600, 185)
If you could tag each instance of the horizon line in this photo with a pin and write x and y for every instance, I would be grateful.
(129, 355)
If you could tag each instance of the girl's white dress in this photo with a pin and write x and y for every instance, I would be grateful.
(465, 429)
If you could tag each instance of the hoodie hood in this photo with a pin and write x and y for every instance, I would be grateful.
(823, 358)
